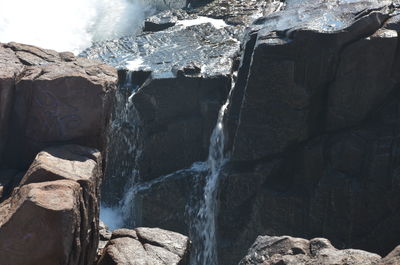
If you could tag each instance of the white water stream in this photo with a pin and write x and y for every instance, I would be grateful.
(203, 215)
(205, 223)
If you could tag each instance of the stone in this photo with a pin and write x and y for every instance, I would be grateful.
(296, 67)
(123, 232)
(287, 250)
(41, 214)
(148, 246)
(52, 216)
(104, 237)
(59, 99)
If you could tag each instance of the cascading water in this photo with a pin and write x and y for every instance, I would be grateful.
(204, 226)
(203, 210)
(123, 132)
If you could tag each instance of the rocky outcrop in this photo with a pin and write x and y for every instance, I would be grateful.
(145, 246)
(313, 129)
(312, 125)
(297, 251)
(50, 98)
(168, 102)
(52, 216)
(304, 73)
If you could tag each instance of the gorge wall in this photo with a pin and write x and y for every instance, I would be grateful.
(311, 124)
(225, 120)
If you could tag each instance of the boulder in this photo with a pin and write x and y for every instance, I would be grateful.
(287, 250)
(52, 217)
(146, 246)
(58, 98)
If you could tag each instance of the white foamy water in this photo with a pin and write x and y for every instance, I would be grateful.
(217, 23)
(70, 25)
(112, 217)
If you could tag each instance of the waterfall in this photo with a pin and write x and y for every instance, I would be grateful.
(125, 132)
(123, 152)
(204, 227)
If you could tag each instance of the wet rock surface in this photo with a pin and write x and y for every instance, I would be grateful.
(312, 125)
(52, 216)
(238, 12)
(287, 250)
(51, 98)
(170, 201)
(299, 75)
(146, 246)
(313, 129)
(179, 78)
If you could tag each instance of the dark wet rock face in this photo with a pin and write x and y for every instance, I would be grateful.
(145, 246)
(312, 124)
(313, 129)
(298, 72)
(168, 105)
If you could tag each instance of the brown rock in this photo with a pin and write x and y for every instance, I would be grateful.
(40, 223)
(146, 246)
(287, 250)
(58, 99)
(55, 207)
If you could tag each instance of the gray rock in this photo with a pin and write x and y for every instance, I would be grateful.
(151, 246)
(297, 251)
